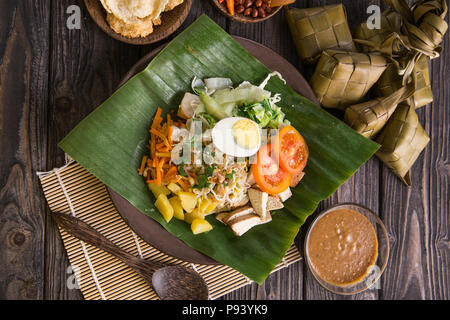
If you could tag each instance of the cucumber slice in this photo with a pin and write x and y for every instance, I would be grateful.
(240, 95)
(217, 110)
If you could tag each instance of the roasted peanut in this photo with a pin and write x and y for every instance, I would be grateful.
(248, 3)
(248, 12)
(240, 8)
(261, 13)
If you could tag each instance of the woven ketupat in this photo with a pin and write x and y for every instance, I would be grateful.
(368, 118)
(402, 140)
(424, 24)
(390, 81)
(344, 78)
(389, 23)
(316, 29)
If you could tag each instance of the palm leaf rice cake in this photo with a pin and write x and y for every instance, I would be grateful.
(316, 29)
(344, 78)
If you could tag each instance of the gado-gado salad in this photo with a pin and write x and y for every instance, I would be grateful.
(228, 151)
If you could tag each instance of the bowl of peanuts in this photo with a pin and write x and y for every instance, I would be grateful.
(247, 11)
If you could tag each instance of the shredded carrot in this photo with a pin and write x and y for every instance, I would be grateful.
(183, 185)
(152, 145)
(172, 171)
(142, 167)
(160, 135)
(169, 134)
(157, 119)
(175, 179)
(163, 154)
(157, 167)
(161, 162)
(162, 149)
(158, 173)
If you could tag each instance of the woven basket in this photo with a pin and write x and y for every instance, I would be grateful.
(402, 140)
(344, 78)
(316, 29)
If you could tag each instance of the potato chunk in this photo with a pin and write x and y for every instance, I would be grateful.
(164, 207)
(207, 205)
(188, 200)
(200, 226)
(189, 217)
(174, 188)
(178, 212)
(157, 190)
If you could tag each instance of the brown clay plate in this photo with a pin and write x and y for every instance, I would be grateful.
(171, 21)
(150, 230)
(240, 17)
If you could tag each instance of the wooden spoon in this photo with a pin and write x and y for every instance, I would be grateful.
(169, 282)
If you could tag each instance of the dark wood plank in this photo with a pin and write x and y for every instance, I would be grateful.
(86, 66)
(23, 96)
(417, 218)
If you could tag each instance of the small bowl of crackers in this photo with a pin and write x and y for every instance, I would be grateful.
(138, 21)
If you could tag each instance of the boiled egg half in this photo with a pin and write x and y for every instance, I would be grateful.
(237, 136)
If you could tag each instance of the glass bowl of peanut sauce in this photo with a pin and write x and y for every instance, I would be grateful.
(347, 249)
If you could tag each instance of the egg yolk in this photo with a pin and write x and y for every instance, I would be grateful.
(246, 134)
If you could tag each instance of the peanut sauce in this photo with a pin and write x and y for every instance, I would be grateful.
(342, 247)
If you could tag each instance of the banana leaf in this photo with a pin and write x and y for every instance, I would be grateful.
(111, 141)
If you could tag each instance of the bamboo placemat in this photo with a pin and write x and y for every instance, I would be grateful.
(73, 190)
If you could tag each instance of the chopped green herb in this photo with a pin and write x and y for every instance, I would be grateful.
(229, 175)
(202, 182)
(210, 170)
(181, 170)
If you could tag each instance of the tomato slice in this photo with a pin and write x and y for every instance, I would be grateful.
(269, 176)
(291, 150)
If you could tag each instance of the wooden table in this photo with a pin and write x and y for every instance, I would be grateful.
(52, 77)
